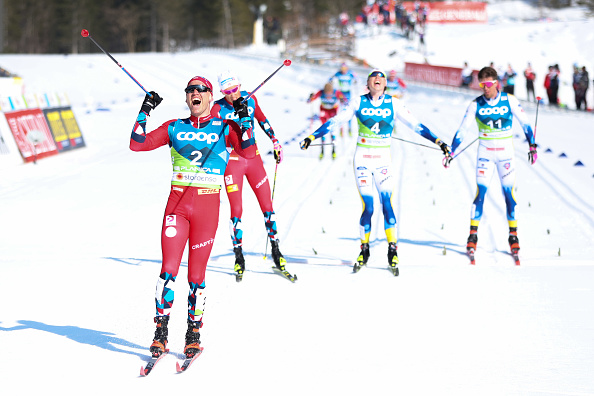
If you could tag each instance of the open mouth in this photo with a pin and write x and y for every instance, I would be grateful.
(196, 101)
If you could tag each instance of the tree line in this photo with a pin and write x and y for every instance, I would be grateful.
(54, 26)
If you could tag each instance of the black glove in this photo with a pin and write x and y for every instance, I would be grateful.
(305, 143)
(241, 109)
(532, 155)
(150, 102)
(310, 98)
(444, 147)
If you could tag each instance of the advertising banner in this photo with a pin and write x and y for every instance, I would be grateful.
(442, 75)
(453, 11)
(433, 74)
(64, 128)
(31, 134)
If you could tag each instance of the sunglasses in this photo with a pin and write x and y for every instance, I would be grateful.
(230, 91)
(199, 88)
(376, 74)
(487, 84)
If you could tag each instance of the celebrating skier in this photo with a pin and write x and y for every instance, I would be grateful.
(252, 169)
(330, 100)
(199, 151)
(493, 112)
(376, 113)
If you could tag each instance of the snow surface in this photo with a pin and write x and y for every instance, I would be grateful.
(80, 251)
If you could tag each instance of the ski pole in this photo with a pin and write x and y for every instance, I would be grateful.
(538, 98)
(322, 144)
(447, 160)
(271, 201)
(418, 144)
(286, 62)
(85, 33)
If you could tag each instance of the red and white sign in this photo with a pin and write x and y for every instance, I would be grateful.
(31, 133)
(433, 74)
(452, 11)
(442, 75)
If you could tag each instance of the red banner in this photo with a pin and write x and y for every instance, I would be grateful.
(433, 74)
(442, 75)
(31, 133)
(452, 11)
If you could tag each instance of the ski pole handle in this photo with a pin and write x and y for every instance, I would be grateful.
(85, 33)
(286, 62)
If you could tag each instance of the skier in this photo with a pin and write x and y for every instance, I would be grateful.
(252, 169)
(395, 86)
(376, 113)
(493, 112)
(199, 150)
(345, 81)
(330, 100)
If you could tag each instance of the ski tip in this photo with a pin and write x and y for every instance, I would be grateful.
(178, 367)
(142, 372)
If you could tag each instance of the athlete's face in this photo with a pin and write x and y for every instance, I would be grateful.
(232, 93)
(489, 87)
(376, 84)
(199, 102)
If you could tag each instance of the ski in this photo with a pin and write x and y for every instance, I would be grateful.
(285, 274)
(516, 257)
(238, 276)
(358, 265)
(394, 270)
(470, 253)
(187, 362)
(144, 371)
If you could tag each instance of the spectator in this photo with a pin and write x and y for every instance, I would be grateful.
(583, 85)
(273, 29)
(509, 80)
(466, 75)
(530, 77)
(576, 86)
(552, 84)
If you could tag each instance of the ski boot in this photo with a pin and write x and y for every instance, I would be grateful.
(471, 243)
(279, 262)
(514, 244)
(159, 344)
(363, 257)
(393, 258)
(192, 339)
(239, 263)
(277, 256)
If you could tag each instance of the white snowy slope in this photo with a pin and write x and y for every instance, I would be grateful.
(80, 253)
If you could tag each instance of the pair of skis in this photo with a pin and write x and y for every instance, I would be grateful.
(358, 265)
(145, 370)
(284, 273)
(515, 255)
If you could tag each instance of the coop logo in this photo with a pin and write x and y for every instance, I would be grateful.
(376, 112)
(200, 136)
(494, 110)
